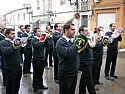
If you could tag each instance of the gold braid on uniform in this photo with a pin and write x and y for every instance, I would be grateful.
(81, 42)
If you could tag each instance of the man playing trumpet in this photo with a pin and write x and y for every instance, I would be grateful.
(112, 51)
(39, 42)
(84, 45)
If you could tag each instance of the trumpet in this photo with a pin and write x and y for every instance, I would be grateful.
(43, 37)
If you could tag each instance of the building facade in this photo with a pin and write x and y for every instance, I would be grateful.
(15, 18)
(60, 11)
(105, 12)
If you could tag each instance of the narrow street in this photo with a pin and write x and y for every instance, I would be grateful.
(109, 87)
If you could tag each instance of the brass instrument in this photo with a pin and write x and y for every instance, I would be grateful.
(43, 37)
(105, 40)
(81, 42)
(23, 39)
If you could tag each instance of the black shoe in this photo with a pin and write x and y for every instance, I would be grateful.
(51, 65)
(114, 76)
(46, 67)
(30, 72)
(35, 90)
(43, 87)
(96, 88)
(57, 81)
(107, 77)
(98, 83)
(25, 75)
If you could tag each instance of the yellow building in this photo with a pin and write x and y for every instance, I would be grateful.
(105, 12)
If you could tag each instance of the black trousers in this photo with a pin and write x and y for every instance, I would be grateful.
(38, 69)
(27, 60)
(13, 77)
(56, 62)
(96, 67)
(48, 52)
(67, 83)
(111, 61)
(86, 79)
(3, 71)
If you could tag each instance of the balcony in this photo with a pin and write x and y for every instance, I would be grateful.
(85, 5)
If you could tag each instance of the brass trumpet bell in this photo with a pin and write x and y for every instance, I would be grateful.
(43, 37)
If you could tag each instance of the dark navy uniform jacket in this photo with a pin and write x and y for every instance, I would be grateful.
(56, 36)
(12, 57)
(38, 48)
(68, 58)
(115, 42)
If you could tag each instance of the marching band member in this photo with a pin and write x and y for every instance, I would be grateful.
(10, 48)
(84, 45)
(97, 55)
(68, 60)
(112, 51)
(56, 35)
(49, 48)
(27, 52)
(39, 43)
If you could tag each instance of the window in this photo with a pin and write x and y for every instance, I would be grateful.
(24, 16)
(62, 2)
(18, 17)
(38, 4)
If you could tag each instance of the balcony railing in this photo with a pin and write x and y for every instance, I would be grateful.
(85, 5)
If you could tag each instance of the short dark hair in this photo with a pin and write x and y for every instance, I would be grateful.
(81, 28)
(7, 31)
(55, 26)
(35, 30)
(26, 26)
(21, 26)
(111, 24)
(67, 26)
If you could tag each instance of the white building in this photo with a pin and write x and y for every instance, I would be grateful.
(60, 11)
(42, 12)
(18, 17)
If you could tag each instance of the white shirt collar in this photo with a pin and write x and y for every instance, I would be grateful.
(36, 37)
(57, 31)
(9, 40)
(67, 39)
(2, 34)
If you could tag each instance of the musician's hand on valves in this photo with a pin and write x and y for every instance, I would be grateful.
(17, 43)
